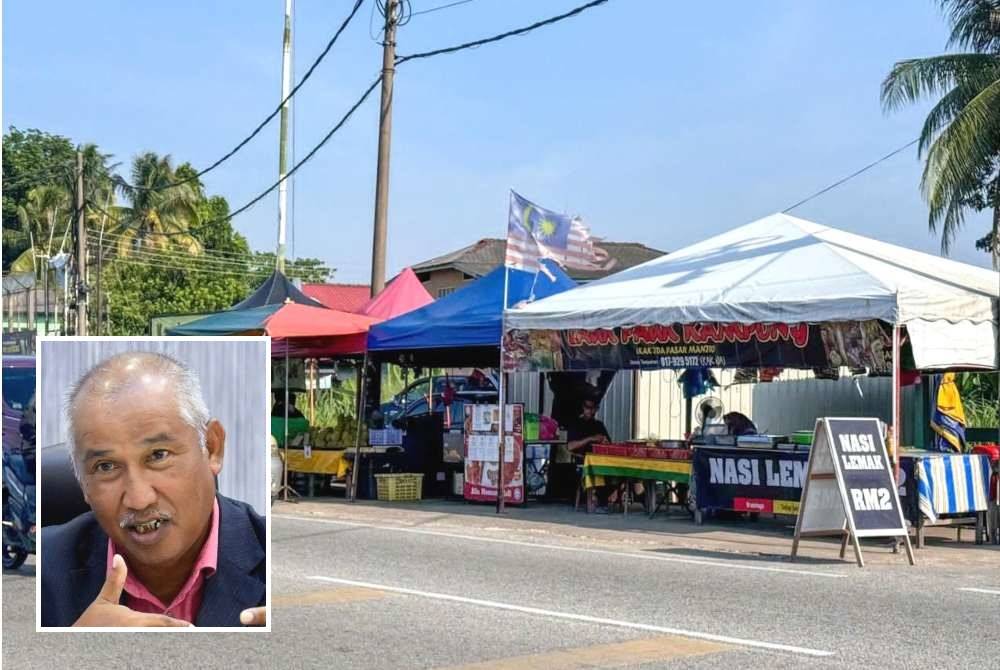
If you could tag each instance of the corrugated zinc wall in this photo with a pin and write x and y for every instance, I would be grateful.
(615, 410)
(791, 403)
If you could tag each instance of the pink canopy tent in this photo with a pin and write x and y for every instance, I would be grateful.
(404, 294)
(345, 337)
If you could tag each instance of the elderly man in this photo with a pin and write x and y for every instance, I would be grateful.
(160, 547)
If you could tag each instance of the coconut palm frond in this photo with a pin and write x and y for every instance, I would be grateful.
(952, 104)
(975, 24)
(913, 79)
(957, 160)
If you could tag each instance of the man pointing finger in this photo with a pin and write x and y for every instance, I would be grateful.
(147, 452)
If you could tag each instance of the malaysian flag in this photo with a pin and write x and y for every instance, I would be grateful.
(534, 233)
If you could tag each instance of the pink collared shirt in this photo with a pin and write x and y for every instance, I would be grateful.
(186, 603)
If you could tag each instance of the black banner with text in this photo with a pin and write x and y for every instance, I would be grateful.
(714, 345)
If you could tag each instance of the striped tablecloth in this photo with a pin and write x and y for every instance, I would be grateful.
(598, 466)
(952, 484)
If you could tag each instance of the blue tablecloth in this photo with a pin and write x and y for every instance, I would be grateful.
(952, 484)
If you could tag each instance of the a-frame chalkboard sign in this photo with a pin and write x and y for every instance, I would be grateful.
(849, 489)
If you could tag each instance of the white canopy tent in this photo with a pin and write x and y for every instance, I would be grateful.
(785, 269)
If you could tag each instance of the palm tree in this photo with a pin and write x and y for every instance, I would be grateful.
(156, 216)
(45, 221)
(961, 136)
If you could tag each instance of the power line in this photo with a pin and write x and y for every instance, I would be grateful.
(175, 255)
(42, 175)
(180, 257)
(440, 7)
(270, 117)
(224, 255)
(152, 259)
(427, 54)
(502, 36)
(377, 81)
(850, 176)
(304, 160)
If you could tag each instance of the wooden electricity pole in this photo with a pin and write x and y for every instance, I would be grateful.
(392, 11)
(81, 251)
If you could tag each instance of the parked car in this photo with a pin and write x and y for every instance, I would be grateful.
(412, 401)
(482, 388)
(18, 388)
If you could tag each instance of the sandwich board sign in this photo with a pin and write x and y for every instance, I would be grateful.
(849, 488)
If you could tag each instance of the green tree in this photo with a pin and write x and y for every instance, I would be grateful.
(31, 158)
(157, 217)
(309, 270)
(207, 269)
(960, 138)
(44, 222)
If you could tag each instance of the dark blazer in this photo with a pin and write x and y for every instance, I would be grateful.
(75, 557)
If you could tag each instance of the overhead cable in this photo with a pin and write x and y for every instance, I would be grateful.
(267, 120)
(850, 176)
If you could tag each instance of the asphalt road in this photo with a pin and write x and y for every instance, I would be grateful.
(384, 590)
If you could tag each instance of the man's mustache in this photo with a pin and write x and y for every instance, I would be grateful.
(130, 519)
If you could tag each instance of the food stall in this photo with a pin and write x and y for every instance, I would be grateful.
(777, 293)
(461, 329)
(301, 328)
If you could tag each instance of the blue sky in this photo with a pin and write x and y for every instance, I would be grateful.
(658, 122)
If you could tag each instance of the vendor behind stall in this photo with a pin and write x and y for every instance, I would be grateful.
(585, 431)
(297, 422)
(582, 434)
(739, 424)
(279, 406)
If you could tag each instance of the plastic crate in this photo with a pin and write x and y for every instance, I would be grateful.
(398, 487)
(385, 437)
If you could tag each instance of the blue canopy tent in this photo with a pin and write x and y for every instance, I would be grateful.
(463, 328)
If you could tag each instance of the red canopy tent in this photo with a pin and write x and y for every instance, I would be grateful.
(296, 326)
(345, 337)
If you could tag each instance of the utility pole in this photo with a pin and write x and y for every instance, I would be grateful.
(384, 140)
(81, 251)
(47, 270)
(286, 87)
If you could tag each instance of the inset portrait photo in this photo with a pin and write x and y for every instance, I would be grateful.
(153, 483)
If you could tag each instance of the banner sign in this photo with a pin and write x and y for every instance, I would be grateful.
(734, 345)
(482, 447)
(749, 480)
(850, 489)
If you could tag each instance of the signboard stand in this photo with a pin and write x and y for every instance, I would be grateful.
(849, 489)
(484, 470)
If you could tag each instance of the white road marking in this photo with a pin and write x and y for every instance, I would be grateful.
(556, 547)
(992, 592)
(744, 642)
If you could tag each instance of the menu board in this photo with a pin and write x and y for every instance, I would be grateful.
(482, 451)
(849, 489)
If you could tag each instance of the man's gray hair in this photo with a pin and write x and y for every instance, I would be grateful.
(187, 387)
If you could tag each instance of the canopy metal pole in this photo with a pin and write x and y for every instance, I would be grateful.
(896, 398)
(285, 488)
(357, 435)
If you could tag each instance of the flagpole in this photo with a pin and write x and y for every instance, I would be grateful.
(502, 393)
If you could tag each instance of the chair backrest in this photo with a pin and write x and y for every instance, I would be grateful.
(61, 498)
